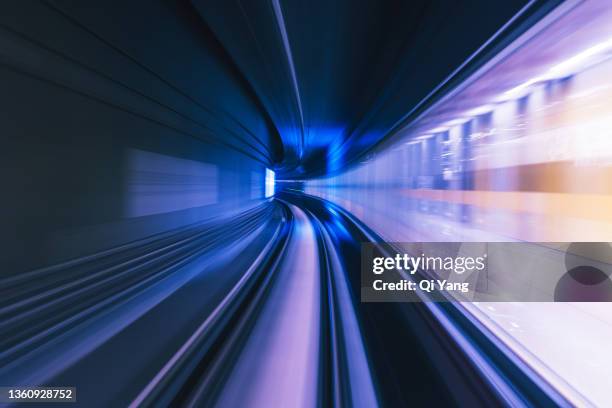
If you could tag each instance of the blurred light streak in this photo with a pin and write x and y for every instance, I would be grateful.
(280, 21)
(270, 183)
(509, 159)
(278, 367)
(109, 295)
(583, 60)
(361, 381)
(158, 183)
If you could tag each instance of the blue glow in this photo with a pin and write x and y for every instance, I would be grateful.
(269, 183)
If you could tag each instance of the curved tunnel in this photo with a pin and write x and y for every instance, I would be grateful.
(188, 186)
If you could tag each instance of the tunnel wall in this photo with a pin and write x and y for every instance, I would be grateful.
(107, 139)
(527, 160)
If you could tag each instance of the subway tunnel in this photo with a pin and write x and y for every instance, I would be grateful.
(190, 189)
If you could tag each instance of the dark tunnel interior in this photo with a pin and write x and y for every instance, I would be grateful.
(188, 186)
(116, 83)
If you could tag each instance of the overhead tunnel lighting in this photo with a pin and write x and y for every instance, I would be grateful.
(570, 66)
(584, 59)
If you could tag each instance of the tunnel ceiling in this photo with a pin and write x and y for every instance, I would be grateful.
(337, 76)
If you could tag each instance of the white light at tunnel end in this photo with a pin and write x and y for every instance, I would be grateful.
(269, 183)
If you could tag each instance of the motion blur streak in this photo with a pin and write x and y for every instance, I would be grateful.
(288, 330)
(159, 184)
(501, 160)
(187, 185)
